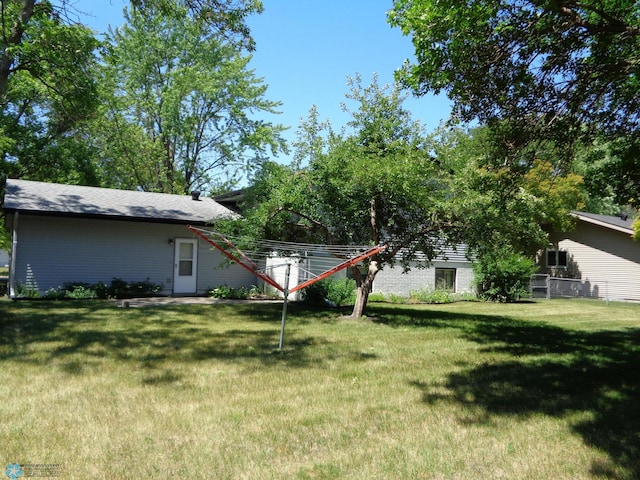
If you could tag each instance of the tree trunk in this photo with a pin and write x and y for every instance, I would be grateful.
(14, 39)
(364, 285)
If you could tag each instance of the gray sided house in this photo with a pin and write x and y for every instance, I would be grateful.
(65, 233)
(599, 259)
(451, 271)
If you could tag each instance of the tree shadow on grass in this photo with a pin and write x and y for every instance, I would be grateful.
(551, 371)
(78, 334)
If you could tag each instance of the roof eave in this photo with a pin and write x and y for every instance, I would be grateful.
(121, 218)
(602, 224)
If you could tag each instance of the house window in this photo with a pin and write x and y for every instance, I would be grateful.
(557, 258)
(446, 279)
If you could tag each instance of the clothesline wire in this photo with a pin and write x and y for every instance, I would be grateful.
(263, 247)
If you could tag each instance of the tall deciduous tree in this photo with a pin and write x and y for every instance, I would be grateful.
(180, 105)
(47, 92)
(554, 63)
(543, 75)
(227, 17)
(384, 181)
(375, 183)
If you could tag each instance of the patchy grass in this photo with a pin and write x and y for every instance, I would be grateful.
(466, 390)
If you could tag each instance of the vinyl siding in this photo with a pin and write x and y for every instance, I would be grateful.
(394, 281)
(607, 261)
(52, 251)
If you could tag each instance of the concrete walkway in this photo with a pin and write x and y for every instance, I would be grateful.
(159, 301)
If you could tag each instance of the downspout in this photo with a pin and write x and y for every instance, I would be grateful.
(14, 249)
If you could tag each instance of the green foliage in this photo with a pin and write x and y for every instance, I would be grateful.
(225, 16)
(340, 291)
(377, 297)
(553, 81)
(544, 65)
(227, 292)
(396, 299)
(611, 171)
(230, 293)
(142, 288)
(335, 291)
(503, 275)
(118, 288)
(497, 204)
(81, 292)
(47, 94)
(180, 105)
(27, 291)
(374, 182)
(315, 294)
(431, 296)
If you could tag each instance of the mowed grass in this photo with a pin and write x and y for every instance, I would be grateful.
(540, 390)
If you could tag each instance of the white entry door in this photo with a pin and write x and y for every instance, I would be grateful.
(186, 266)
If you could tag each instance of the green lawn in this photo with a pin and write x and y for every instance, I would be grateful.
(540, 390)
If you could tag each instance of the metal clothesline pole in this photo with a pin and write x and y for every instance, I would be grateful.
(284, 305)
(233, 253)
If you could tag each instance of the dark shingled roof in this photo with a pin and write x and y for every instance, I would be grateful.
(608, 221)
(74, 200)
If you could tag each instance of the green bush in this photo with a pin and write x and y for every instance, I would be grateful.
(118, 288)
(377, 297)
(27, 291)
(336, 291)
(230, 293)
(341, 291)
(396, 298)
(78, 290)
(503, 275)
(316, 293)
(122, 289)
(438, 295)
(54, 293)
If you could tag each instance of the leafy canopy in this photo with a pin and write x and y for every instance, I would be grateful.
(560, 64)
(47, 93)
(180, 104)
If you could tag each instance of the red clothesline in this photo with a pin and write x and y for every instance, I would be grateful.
(241, 259)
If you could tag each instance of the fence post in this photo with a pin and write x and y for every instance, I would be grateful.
(548, 284)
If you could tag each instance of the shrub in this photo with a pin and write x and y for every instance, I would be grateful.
(503, 275)
(336, 291)
(118, 288)
(54, 293)
(101, 289)
(143, 288)
(230, 293)
(122, 289)
(396, 298)
(27, 291)
(316, 293)
(340, 291)
(438, 295)
(377, 297)
(80, 292)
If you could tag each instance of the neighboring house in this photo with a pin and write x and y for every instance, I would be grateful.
(4, 258)
(65, 233)
(451, 271)
(599, 259)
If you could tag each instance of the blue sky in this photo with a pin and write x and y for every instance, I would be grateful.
(306, 49)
